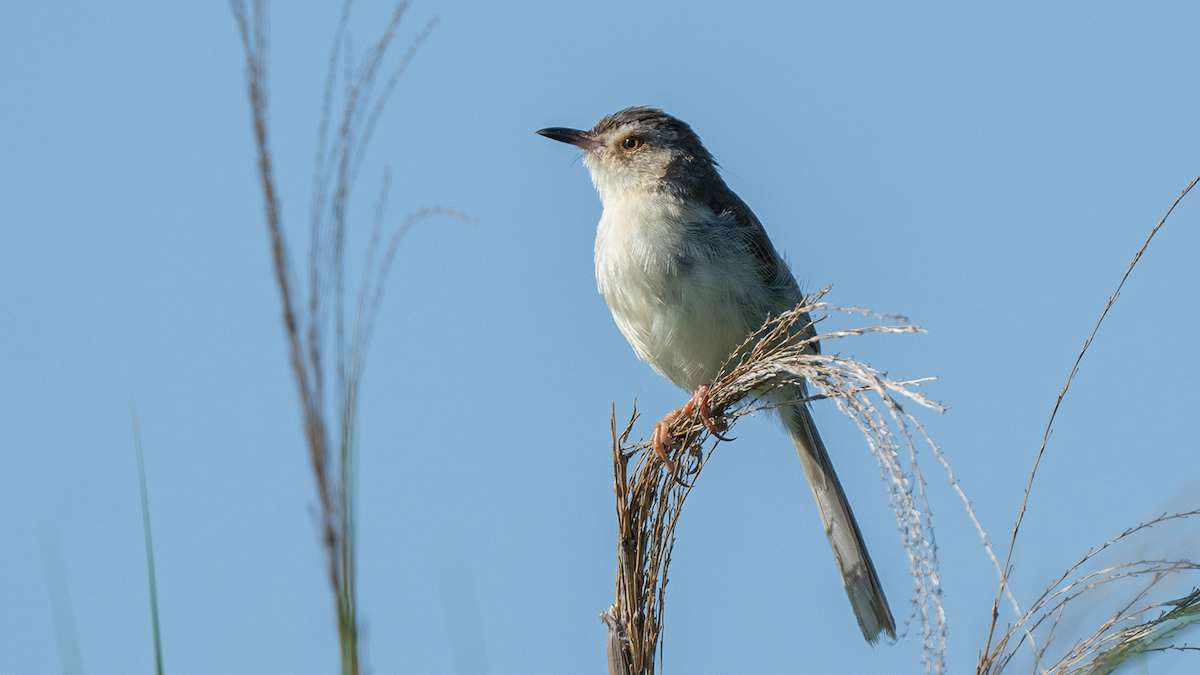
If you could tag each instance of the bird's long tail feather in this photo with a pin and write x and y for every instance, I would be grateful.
(858, 572)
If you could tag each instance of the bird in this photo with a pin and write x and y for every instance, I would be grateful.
(688, 272)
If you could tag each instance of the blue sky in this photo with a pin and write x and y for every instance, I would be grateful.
(986, 170)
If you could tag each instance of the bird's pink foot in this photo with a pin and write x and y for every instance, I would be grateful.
(660, 440)
(699, 402)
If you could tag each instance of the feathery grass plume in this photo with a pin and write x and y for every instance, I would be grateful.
(1110, 644)
(649, 500)
(329, 427)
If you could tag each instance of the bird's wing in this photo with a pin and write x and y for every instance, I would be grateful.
(772, 268)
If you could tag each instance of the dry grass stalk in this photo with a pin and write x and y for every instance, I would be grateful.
(1086, 656)
(649, 500)
(1119, 636)
(1143, 637)
(308, 322)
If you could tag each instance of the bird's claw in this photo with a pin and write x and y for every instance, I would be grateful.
(661, 439)
(699, 402)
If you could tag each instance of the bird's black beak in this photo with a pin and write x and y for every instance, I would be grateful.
(580, 139)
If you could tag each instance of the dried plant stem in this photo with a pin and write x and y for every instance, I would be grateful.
(648, 509)
(306, 324)
(1143, 637)
(779, 355)
(1109, 644)
(993, 660)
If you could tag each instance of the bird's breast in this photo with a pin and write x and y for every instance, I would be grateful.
(677, 284)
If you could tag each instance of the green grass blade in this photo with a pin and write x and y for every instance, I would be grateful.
(60, 605)
(137, 444)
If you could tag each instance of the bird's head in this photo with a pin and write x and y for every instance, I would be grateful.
(640, 150)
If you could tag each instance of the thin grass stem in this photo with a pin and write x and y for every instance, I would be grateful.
(150, 578)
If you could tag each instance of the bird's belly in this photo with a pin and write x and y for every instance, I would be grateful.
(683, 323)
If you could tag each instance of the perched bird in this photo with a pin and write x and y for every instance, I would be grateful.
(688, 273)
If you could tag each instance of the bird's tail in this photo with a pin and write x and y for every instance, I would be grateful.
(858, 572)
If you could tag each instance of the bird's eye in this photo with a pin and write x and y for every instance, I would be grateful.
(632, 143)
